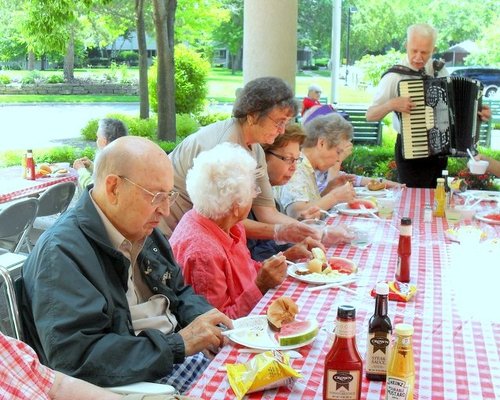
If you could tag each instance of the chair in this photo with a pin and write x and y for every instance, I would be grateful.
(16, 221)
(52, 203)
(10, 324)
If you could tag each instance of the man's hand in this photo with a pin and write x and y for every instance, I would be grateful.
(83, 162)
(302, 250)
(402, 104)
(272, 273)
(294, 232)
(203, 334)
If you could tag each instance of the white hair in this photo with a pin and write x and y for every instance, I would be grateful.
(220, 177)
(423, 30)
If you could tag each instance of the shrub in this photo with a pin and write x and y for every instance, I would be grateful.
(5, 79)
(375, 66)
(186, 125)
(191, 73)
(31, 78)
(90, 129)
(209, 118)
(55, 79)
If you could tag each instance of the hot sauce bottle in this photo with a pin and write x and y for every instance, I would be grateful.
(401, 366)
(343, 364)
(379, 333)
(404, 251)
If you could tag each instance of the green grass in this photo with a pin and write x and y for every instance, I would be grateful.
(222, 86)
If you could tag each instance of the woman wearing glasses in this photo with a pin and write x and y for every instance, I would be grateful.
(328, 137)
(209, 242)
(262, 110)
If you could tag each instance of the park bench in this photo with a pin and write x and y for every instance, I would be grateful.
(487, 126)
(364, 132)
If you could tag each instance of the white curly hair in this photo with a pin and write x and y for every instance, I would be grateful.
(221, 177)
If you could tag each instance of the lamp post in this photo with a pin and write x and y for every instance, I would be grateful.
(352, 10)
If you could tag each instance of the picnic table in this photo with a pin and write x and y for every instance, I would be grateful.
(13, 186)
(457, 326)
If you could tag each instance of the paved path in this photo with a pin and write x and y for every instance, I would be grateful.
(44, 125)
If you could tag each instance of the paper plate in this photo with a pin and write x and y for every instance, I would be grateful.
(363, 191)
(343, 208)
(486, 195)
(259, 335)
(317, 278)
(485, 217)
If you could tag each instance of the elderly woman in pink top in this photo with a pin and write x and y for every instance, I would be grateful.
(210, 242)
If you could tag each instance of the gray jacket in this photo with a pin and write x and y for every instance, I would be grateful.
(74, 306)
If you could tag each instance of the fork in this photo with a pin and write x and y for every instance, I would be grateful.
(362, 207)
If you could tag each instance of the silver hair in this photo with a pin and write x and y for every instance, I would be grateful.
(424, 30)
(333, 127)
(112, 129)
(221, 177)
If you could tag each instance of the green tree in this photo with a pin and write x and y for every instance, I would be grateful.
(230, 32)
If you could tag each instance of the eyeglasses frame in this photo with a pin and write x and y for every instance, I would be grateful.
(170, 196)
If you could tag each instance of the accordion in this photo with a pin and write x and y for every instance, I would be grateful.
(444, 120)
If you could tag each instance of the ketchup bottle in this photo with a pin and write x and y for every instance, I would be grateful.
(30, 166)
(343, 364)
(404, 251)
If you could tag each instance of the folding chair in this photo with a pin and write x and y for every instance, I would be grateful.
(16, 221)
(9, 313)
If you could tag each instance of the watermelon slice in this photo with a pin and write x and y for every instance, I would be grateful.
(356, 204)
(297, 332)
(342, 265)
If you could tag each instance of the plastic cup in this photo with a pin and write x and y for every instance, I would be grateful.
(317, 224)
(477, 167)
(386, 207)
(361, 236)
(453, 215)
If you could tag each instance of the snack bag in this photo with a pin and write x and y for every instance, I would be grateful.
(399, 291)
(266, 370)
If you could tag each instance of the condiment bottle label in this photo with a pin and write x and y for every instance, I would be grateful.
(345, 329)
(342, 385)
(397, 389)
(376, 353)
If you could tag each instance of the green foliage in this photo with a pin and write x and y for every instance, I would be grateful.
(5, 80)
(55, 79)
(90, 129)
(375, 66)
(368, 160)
(186, 125)
(128, 56)
(191, 74)
(321, 62)
(205, 119)
(31, 78)
(167, 146)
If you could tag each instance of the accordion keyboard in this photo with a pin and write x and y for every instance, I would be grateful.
(418, 122)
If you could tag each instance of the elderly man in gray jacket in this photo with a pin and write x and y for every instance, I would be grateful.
(104, 299)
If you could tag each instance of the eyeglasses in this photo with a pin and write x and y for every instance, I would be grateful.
(279, 124)
(158, 197)
(288, 160)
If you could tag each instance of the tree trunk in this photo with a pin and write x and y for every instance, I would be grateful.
(31, 61)
(164, 16)
(69, 59)
(143, 59)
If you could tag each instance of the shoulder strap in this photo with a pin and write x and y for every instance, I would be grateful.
(403, 70)
(437, 65)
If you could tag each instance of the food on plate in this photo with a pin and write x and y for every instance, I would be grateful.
(376, 185)
(281, 311)
(454, 234)
(267, 370)
(493, 217)
(44, 169)
(319, 254)
(358, 204)
(297, 332)
(342, 265)
(317, 263)
(62, 171)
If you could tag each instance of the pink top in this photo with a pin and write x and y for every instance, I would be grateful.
(21, 374)
(217, 265)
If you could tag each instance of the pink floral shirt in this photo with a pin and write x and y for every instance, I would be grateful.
(217, 265)
(22, 376)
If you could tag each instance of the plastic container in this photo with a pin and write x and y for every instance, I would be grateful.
(477, 167)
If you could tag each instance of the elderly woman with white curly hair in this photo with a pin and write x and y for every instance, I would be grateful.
(210, 241)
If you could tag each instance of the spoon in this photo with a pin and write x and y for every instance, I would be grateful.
(328, 213)
(470, 155)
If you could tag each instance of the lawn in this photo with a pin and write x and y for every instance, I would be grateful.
(222, 86)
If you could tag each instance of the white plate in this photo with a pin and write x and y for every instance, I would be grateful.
(363, 191)
(343, 208)
(489, 195)
(316, 278)
(454, 234)
(482, 217)
(259, 335)
(57, 175)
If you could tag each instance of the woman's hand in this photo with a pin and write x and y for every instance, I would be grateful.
(272, 273)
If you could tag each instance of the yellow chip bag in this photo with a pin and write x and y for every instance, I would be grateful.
(266, 370)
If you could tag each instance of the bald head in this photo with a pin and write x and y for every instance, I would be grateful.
(128, 156)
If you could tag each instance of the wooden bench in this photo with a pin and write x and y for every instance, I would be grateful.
(364, 132)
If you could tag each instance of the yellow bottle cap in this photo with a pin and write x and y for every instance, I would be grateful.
(404, 329)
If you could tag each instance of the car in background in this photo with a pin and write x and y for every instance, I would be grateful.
(489, 77)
